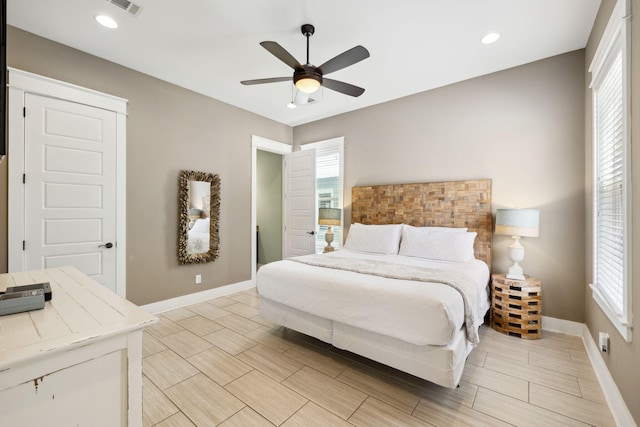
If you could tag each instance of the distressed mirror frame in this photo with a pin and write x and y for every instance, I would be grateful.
(183, 228)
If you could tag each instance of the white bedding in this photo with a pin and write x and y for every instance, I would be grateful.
(416, 312)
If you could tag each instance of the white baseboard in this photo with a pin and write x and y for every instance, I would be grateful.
(614, 399)
(185, 300)
(567, 327)
(612, 395)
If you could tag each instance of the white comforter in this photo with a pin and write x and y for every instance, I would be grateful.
(420, 313)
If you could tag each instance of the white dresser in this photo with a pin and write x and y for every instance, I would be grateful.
(78, 361)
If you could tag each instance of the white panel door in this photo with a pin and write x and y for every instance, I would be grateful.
(300, 203)
(70, 187)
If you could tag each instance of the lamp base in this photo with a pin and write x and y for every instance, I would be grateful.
(516, 273)
(328, 237)
(516, 255)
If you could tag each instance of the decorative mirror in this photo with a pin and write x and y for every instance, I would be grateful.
(199, 215)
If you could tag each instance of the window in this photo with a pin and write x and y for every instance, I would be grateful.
(329, 181)
(611, 155)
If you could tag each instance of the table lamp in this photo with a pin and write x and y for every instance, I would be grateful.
(517, 223)
(329, 217)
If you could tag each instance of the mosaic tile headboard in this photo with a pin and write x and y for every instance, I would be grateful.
(443, 204)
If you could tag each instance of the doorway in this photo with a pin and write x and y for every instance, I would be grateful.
(269, 202)
(278, 149)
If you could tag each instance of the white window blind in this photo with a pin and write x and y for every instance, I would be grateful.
(610, 182)
(612, 178)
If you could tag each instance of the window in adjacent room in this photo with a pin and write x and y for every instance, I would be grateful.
(329, 183)
(612, 179)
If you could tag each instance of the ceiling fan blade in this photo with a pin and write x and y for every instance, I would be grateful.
(262, 81)
(342, 87)
(280, 53)
(350, 57)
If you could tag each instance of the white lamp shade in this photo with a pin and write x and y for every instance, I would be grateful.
(518, 222)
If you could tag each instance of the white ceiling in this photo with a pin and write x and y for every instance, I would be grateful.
(209, 46)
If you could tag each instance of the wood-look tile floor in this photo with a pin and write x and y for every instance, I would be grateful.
(219, 363)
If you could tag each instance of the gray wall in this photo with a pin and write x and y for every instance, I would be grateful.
(269, 206)
(168, 129)
(623, 359)
(523, 128)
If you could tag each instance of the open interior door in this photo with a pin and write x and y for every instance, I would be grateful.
(300, 203)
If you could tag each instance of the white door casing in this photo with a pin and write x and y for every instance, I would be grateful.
(300, 203)
(70, 149)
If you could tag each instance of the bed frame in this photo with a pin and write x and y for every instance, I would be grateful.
(445, 204)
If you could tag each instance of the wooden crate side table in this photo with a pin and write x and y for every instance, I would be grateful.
(516, 306)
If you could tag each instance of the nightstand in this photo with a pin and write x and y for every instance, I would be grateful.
(516, 306)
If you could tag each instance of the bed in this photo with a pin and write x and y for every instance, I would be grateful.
(410, 288)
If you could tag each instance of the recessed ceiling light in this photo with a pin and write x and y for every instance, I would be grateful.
(106, 21)
(490, 38)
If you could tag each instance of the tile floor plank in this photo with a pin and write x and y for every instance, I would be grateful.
(376, 413)
(497, 381)
(317, 360)
(393, 392)
(269, 337)
(164, 327)
(246, 417)
(156, 406)
(199, 325)
(270, 362)
(185, 343)
(220, 366)
(177, 420)
(167, 368)
(230, 341)
(312, 415)
(519, 413)
(242, 309)
(203, 401)
(151, 345)
(445, 412)
(240, 324)
(333, 395)
(534, 374)
(580, 409)
(267, 397)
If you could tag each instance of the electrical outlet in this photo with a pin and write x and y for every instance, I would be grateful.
(604, 342)
(198, 279)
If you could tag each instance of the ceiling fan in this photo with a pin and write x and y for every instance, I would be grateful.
(308, 78)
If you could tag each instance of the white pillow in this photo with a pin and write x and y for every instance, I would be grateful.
(410, 228)
(438, 245)
(379, 239)
(201, 226)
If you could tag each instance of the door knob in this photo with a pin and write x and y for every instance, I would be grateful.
(311, 232)
(106, 245)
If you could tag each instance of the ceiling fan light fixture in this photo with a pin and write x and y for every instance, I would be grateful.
(308, 84)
